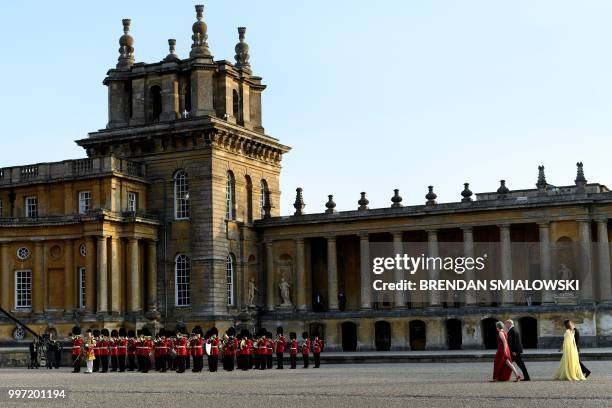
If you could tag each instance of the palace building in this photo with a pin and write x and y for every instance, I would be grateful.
(172, 219)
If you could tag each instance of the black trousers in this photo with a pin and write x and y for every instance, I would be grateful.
(144, 362)
(317, 360)
(181, 364)
(279, 361)
(96, 364)
(76, 364)
(104, 363)
(163, 363)
(518, 359)
(198, 364)
(305, 358)
(131, 362)
(585, 370)
(114, 363)
(213, 363)
(269, 361)
(121, 361)
(293, 360)
(58, 359)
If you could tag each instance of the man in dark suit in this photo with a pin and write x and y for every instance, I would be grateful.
(516, 348)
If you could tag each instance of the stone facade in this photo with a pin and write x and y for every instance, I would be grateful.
(206, 245)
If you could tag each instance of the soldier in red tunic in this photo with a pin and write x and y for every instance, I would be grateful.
(293, 349)
(145, 347)
(77, 343)
(305, 348)
(113, 348)
(197, 349)
(215, 350)
(131, 350)
(122, 345)
(280, 347)
(104, 349)
(182, 354)
(269, 350)
(317, 347)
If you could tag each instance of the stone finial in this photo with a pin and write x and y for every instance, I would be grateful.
(172, 56)
(542, 185)
(330, 205)
(299, 202)
(363, 202)
(502, 191)
(580, 180)
(396, 199)
(126, 46)
(430, 196)
(267, 205)
(242, 51)
(199, 48)
(466, 193)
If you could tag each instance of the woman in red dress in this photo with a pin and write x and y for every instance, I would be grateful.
(503, 367)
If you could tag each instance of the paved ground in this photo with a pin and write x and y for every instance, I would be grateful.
(355, 385)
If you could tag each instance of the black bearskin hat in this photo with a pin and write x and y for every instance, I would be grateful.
(231, 331)
(305, 335)
(261, 332)
(114, 333)
(214, 331)
(122, 332)
(279, 330)
(146, 332)
(292, 336)
(76, 330)
(104, 332)
(197, 330)
(131, 333)
(96, 333)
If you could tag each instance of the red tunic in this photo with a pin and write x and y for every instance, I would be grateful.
(122, 346)
(113, 347)
(215, 345)
(77, 342)
(104, 347)
(317, 346)
(131, 346)
(306, 346)
(280, 344)
(293, 349)
(197, 347)
(181, 347)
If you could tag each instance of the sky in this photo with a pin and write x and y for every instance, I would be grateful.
(371, 96)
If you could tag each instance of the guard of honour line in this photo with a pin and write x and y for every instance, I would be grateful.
(120, 351)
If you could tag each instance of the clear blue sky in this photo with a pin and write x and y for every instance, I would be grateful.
(371, 95)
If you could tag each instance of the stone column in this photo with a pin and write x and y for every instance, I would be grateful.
(506, 260)
(332, 273)
(434, 274)
(603, 255)
(90, 275)
(38, 290)
(399, 300)
(365, 266)
(115, 276)
(301, 273)
(545, 258)
(269, 276)
(102, 276)
(5, 296)
(69, 276)
(586, 271)
(170, 98)
(470, 274)
(135, 289)
(152, 275)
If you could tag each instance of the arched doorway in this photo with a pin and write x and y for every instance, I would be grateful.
(528, 327)
(489, 333)
(382, 336)
(349, 336)
(418, 335)
(453, 334)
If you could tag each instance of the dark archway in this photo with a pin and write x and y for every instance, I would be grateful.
(454, 336)
(528, 327)
(418, 335)
(489, 333)
(156, 103)
(382, 336)
(349, 336)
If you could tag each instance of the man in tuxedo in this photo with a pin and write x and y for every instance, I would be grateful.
(516, 348)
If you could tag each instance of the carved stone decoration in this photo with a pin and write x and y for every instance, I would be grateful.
(363, 202)
(502, 191)
(396, 199)
(299, 202)
(199, 48)
(466, 193)
(430, 196)
(242, 51)
(252, 292)
(330, 205)
(285, 290)
(126, 46)
(172, 56)
(542, 185)
(580, 180)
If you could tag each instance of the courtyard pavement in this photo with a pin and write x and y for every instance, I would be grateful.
(338, 385)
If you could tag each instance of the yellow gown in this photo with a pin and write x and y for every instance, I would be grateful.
(569, 369)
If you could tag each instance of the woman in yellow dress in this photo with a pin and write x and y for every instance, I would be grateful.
(569, 369)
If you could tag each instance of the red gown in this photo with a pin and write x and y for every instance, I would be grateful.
(501, 371)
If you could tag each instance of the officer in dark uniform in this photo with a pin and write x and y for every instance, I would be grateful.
(96, 362)
(33, 354)
(104, 349)
(50, 353)
(57, 354)
(114, 347)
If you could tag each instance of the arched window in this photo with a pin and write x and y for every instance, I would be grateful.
(181, 196)
(182, 288)
(236, 106)
(230, 280)
(263, 189)
(156, 103)
(249, 198)
(230, 213)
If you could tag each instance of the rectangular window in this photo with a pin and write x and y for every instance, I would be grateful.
(132, 204)
(31, 207)
(23, 289)
(84, 202)
(82, 288)
(1, 208)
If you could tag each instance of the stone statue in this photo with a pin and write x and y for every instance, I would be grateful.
(252, 290)
(564, 272)
(284, 291)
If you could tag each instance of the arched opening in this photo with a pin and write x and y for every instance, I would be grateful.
(236, 106)
(156, 103)
(489, 333)
(454, 336)
(181, 195)
(528, 327)
(418, 335)
(263, 190)
(229, 273)
(249, 198)
(349, 336)
(382, 335)
(230, 188)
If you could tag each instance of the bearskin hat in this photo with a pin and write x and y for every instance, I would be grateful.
(96, 332)
(292, 336)
(76, 330)
(146, 331)
(122, 332)
(114, 333)
(197, 330)
(214, 331)
(104, 332)
(305, 335)
(279, 330)
(131, 333)
(231, 331)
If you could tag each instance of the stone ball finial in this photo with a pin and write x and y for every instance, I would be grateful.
(200, 36)
(430, 196)
(502, 191)
(242, 50)
(363, 202)
(541, 184)
(299, 202)
(172, 51)
(126, 46)
(330, 205)
(396, 199)
(580, 180)
(466, 193)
